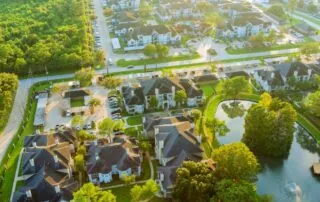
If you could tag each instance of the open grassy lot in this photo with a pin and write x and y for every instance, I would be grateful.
(126, 63)
(209, 88)
(134, 120)
(77, 102)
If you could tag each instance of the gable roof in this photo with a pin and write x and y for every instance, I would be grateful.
(76, 93)
(133, 96)
(205, 78)
(190, 88)
(151, 122)
(272, 77)
(122, 153)
(287, 69)
(164, 85)
(177, 137)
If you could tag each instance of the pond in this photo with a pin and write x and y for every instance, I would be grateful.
(290, 179)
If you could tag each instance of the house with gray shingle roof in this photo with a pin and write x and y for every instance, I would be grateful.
(133, 99)
(178, 10)
(121, 157)
(123, 4)
(277, 77)
(174, 143)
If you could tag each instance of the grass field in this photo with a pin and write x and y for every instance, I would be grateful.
(208, 88)
(134, 120)
(77, 102)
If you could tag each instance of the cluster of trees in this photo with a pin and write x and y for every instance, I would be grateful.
(107, 126)
(259, 39)
(269, 127)
(92, 193)
(310, 48)
(111, 82)
(8, 86)
(159, 50)
(84, 76)
(278, 10)
(45, 35)
(227, 177)
(232, 88)
(145, 9)
(312, 103)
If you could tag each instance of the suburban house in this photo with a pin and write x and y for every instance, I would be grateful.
(47, 167)
(177, 10)
(150, 122)
(233, 9)
(133, 99)
(121, 157)
(122, 29)
(242, 27)
(138, 37)
(174, 143)
(123, 4)
(125, 17)
(163, 90)
(40, 116)
(278, 76)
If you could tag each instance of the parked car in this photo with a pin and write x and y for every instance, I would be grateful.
(130, 67)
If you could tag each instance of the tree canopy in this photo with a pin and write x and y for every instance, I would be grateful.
(90, 193)
(269, 127)
(312, 103)
(231, 88)
(236, 162)
(44, 35)
(85, 75)
(149, 50)
(144, 192)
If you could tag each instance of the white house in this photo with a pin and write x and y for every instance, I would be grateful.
(122, 157)
(178, 10)
(123, 4)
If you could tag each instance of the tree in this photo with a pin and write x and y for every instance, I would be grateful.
(312, 103)
(162, 50)
(144, 192)
(232, 88)
(312, 8)
(111, 82)
(85, 75)
(277, 10)
(144, 145)
(292, 5)
(241, 191)
(118, 125)
(90, 193)
(217, 127)
(99, 57)
(272, 38)
(195, 181)
(316, 80)
(77, 121)
(236, 162)
(79, 165)
(107, 12)
(301, 4)
(106, 126)
(180, 97)
(153, 102)
(93, 103)
(128, 179)
(145, 9)
(269, 127)
(59, 88)
(84, 135)
(310, 48)
(257, 40)
(149, 50)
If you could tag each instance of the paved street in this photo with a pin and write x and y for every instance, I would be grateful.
(311, 24)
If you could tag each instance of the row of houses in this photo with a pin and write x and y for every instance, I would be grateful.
(47, 167)
(138, 96)
(178, 11)
(117, 5)
(277, 76)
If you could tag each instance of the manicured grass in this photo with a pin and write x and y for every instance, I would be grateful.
(134, 120)
(131, 131)
(262, 49)
(208, 88)
(126, 63)
(77, 102)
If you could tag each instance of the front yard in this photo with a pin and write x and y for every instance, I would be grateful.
(77, 102)
(134, 120)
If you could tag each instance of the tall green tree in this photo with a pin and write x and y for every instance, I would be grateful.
(232, 88)
(162, 50)
(312, 103)
(149, 50)
(269, 127)
(144, 192)
(153, 103)
(84, 76)
(236, 162)
(90, 193)
(310, 48)
(195, 181)
(180, 97)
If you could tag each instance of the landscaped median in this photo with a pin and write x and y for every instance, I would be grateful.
(9, 162)
(213, 104)
(126, 63)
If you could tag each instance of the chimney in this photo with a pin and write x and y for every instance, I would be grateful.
(295, 73)
(29, 195)
(34, 144)
(97, 156)
(37, 132)
(57, 189)
(272, 75)
(56, 140)
(173, 89)
(95, 142)
(132, 92)
(161, 144)
(31, 162)
(56, 160)
(161, 177)
(156, 91)
(143, 119)
(309, 72)
(156, 131)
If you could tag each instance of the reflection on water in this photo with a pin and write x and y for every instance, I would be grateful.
(288, 179)
(234, 109)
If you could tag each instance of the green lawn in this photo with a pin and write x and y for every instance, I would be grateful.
(77, 102)
(134, 120)
(208, 88)
(126, 63)
(262, 49)
(132, 131)
(311, 19)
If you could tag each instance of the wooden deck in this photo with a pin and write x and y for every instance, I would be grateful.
(316, 168)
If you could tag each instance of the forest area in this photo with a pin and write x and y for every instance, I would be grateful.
(40, 35)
